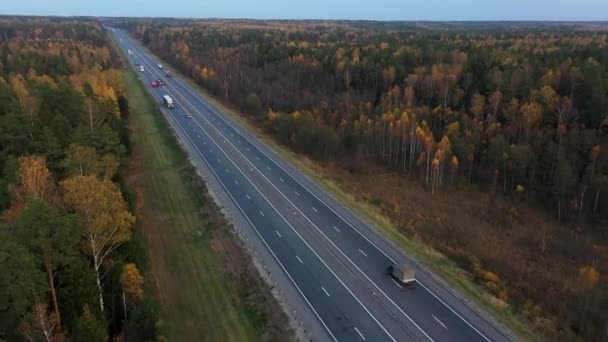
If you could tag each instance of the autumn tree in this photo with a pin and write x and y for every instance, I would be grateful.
(105, 219)
(132, 284)
(84, 161)
(35, 179)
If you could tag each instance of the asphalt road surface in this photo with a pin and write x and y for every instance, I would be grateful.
(333, 260)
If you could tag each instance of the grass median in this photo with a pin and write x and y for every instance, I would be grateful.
(197, 270)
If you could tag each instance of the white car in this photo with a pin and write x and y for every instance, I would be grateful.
(160, 66)
(141, 68)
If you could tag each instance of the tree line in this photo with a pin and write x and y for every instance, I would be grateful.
(517, 111)
(69, 266)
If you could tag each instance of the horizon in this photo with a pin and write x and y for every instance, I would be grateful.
(381, 10)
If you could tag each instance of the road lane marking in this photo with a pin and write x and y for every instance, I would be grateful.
(315, 209)
(261, 213)
(336, 228)
(367, 239)
(226, 170)
(297, 193)
(438, 321)
(300, 260)
(282, 180)
(219, 161)
(256, 157)
(362, 252)
(293, 229)
(360, 334)
(396, 283)
(279, 234)
(324, 290)
(235, 182)
(268, 167)
(210, 151)
(248, 149)
(248, 197)
(268, 247)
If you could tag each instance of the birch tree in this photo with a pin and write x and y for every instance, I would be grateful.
(106, 220)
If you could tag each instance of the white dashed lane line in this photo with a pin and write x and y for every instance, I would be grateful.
(300, 260)
(440, 322)
(360, 334)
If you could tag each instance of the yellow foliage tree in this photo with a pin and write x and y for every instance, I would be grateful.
(132, 281)
(106, 220)
(35, 179)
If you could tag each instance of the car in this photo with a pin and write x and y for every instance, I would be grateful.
(160, 82)
(169, 74)
(160, 66)
(154, 84)
(141, 68)
(188, 116)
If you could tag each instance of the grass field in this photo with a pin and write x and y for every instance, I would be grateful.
(200, 301)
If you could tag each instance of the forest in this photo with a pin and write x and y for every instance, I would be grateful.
(517, 112)
(69, 260)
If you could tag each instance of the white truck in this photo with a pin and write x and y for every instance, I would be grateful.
(403, 273)
(168, 101)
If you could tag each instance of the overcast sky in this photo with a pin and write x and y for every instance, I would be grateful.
(321, 9)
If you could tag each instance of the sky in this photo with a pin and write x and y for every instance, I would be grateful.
(320, 9)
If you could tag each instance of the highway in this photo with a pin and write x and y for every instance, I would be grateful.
(333, 260)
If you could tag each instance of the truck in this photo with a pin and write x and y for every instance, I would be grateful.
(168, 101)
(403, 273)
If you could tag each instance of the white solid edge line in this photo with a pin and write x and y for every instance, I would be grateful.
(289, 224)
(259, 235)
(327, 266)
(309, 220)
(331, 209)
(324, 290)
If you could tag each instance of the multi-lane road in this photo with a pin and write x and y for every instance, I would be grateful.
(327, 257)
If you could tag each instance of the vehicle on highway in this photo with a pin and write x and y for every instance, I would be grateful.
(160, 66)
(130, 52)
(160, 82)
(141, 68)
(188, 116)
(154, 84)
(168, 101)
(403, 273)
(169, 74)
